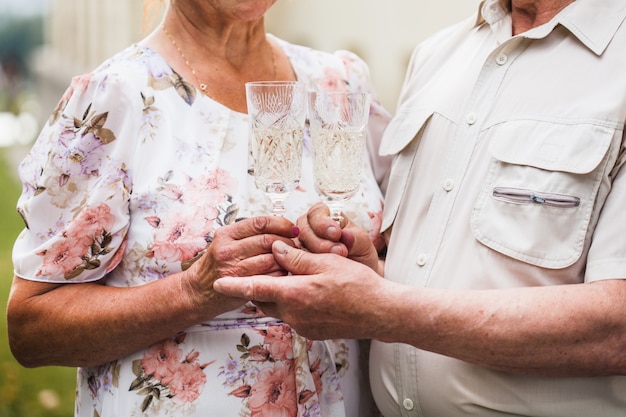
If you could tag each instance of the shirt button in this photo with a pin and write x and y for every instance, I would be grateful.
(407, 403)
(421, 259)
(470, 118)
(501, 59)
(448, 184)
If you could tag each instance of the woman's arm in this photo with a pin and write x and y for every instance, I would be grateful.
(87, 324)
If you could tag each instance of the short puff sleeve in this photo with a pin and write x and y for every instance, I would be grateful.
(76, 183)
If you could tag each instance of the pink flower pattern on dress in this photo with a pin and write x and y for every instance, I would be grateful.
(80, 245)
(91, 222)
(278, 340)
(181, 236)
(274, 392)
(187, 382)
(331, 81)
(266, 376)
(162, 373)
(62, 258)
(214, 187)
(162, 360)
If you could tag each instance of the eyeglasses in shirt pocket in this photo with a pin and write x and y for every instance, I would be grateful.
(540, 190)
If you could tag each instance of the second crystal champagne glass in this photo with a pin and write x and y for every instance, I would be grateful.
(277, 113)
(338, 125)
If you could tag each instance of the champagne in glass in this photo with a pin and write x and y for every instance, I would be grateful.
(338, 125)
(277, 112)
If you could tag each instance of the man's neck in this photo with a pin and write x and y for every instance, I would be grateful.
(527, 14)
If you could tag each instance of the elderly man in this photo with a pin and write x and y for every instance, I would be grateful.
(504, 290)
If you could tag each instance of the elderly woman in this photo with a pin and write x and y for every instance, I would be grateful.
(137, 196)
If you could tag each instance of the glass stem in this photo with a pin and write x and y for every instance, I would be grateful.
(335, 210)
(278, 204)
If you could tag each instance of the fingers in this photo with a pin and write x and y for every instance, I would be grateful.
(239, 250)
(297, 261)
(258, 288)
(269, 289)
(319, 233)
(319, 218)
(356, 239)
(235, 243)
(253, 226)
(227, 250)
(264, 264)
(360, 246)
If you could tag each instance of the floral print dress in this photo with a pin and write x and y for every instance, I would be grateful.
(128, 180)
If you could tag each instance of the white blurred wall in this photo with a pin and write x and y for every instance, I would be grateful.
(79, 35)
(383, 32)
(82, 33)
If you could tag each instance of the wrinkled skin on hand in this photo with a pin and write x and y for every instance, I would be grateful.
(240, 249)
(328, 296)
(336, 273)
(320, 234)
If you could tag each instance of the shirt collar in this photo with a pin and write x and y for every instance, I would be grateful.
(491, 11)
(593, 22)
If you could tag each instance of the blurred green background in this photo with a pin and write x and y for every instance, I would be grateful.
(41, 392)
(24, 392)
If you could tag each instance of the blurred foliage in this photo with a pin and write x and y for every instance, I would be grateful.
(19, 36)
(40, 392)
(18, 39)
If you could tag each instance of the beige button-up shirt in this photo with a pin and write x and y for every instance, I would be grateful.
(508, 173)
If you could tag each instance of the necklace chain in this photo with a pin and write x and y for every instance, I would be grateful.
(203, 86)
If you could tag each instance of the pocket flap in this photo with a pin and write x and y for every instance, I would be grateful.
(402, 129)
(574, 148)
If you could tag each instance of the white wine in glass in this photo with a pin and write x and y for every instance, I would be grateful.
(277, 113)
(338, 126)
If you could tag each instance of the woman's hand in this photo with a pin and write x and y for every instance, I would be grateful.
(239, 249)
(320, 234)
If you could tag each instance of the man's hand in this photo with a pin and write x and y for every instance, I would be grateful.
(327, 297)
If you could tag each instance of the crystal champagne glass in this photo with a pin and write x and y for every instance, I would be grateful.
(277, 113)
(338, 125)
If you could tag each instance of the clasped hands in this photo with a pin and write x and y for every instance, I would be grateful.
(334, 271)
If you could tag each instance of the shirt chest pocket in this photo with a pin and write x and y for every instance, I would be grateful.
(540, 190)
